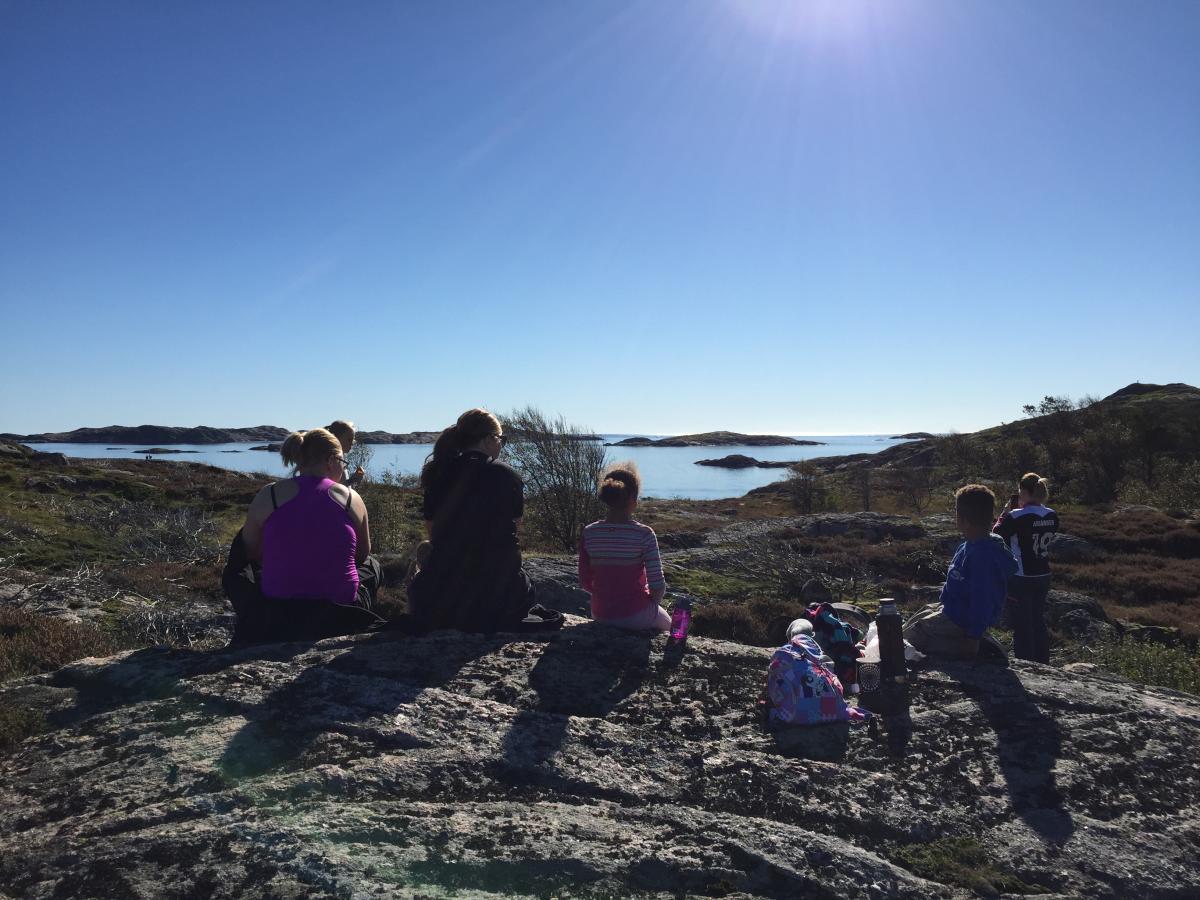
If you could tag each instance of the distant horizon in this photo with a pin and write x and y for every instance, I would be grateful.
(606, 431)
(598, 432)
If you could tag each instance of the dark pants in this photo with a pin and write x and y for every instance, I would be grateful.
(1027, 613)
(268, 619)
(449, 600)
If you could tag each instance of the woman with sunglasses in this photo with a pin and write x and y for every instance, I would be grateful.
(311, 535)
(471, 577)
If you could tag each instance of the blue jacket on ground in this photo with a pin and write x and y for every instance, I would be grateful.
(977, 583)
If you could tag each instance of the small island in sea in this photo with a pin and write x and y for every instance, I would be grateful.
(717, 439)
(741, 461)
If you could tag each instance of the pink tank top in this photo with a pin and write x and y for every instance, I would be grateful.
(308, 547)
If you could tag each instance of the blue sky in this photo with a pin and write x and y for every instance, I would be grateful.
(801, 217)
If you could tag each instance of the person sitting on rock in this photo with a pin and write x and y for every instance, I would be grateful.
(344, 432)
(472, 576)
(311, 535)
(619, 563)
(976, 584)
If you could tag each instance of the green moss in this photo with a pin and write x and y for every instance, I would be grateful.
(961, 862)
(712, 585)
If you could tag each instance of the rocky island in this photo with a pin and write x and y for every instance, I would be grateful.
(717, 439)
(741, 461)
(154, 434)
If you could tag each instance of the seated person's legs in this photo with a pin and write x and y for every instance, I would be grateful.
(931, 631)
(653, 616)
(370, 575)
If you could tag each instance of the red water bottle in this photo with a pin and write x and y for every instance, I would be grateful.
(681, 618)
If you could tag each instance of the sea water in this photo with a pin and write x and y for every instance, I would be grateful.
(666, 471)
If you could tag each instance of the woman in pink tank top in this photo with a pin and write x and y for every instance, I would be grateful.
(619, 563)
(311, 535)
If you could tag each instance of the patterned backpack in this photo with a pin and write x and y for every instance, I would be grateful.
(801, 691)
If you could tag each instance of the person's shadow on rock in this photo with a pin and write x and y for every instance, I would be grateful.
(1028, 744)
(369, 681)
(151, 673)
(585, 672)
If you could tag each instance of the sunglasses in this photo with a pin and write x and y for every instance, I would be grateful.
(502, 438)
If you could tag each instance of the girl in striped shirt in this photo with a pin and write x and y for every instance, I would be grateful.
(619, 563)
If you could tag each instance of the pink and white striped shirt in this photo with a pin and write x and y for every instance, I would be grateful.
(618, 566)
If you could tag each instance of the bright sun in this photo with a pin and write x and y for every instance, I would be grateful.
(824, 20)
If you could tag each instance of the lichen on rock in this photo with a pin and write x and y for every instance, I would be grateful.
(586, 763)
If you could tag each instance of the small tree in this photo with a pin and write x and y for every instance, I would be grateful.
(914, 485)
(561, 465)
(805, 488)
(359, 455)
(864, 488)
(956, 452)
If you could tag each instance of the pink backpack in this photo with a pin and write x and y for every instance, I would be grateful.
(801, 691)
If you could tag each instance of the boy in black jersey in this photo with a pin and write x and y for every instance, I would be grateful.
(1028, 526)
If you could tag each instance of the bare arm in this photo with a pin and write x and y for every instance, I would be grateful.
(252, 528)
(653, 562)
(362, 528)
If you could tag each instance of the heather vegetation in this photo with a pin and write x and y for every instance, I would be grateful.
(100, 555)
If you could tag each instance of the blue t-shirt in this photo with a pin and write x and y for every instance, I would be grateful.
(977, 583)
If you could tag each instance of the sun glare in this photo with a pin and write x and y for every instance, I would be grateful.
(821, 20)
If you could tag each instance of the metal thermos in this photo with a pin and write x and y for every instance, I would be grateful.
(892, 667)
(885, 681)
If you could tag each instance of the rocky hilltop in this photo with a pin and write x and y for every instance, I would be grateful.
(717, 439)
(591, 763)
(154, 434)
(1173, 410)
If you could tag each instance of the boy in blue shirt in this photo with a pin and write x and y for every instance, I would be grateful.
(976, 584)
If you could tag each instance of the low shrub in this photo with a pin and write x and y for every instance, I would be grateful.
(1135, 531)
(960, 861)
(1177, 668)
(760, 621)
(17, 723)
(1134, 579)
(394, 516)
(32, 643)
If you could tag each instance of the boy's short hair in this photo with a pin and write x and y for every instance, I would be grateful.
(976, 504)
(341, 429)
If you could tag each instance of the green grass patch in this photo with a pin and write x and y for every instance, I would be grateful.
(712, 585)
(1177, 668)
(961, 862)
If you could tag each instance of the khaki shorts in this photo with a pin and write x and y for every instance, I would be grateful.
(931, 631)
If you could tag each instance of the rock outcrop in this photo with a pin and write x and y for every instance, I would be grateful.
(587, 764)
(717, 439)
(741, 461)
(156, 434)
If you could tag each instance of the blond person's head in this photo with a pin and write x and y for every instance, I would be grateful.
(620, 485)
(311, 451)
(1035, 487)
